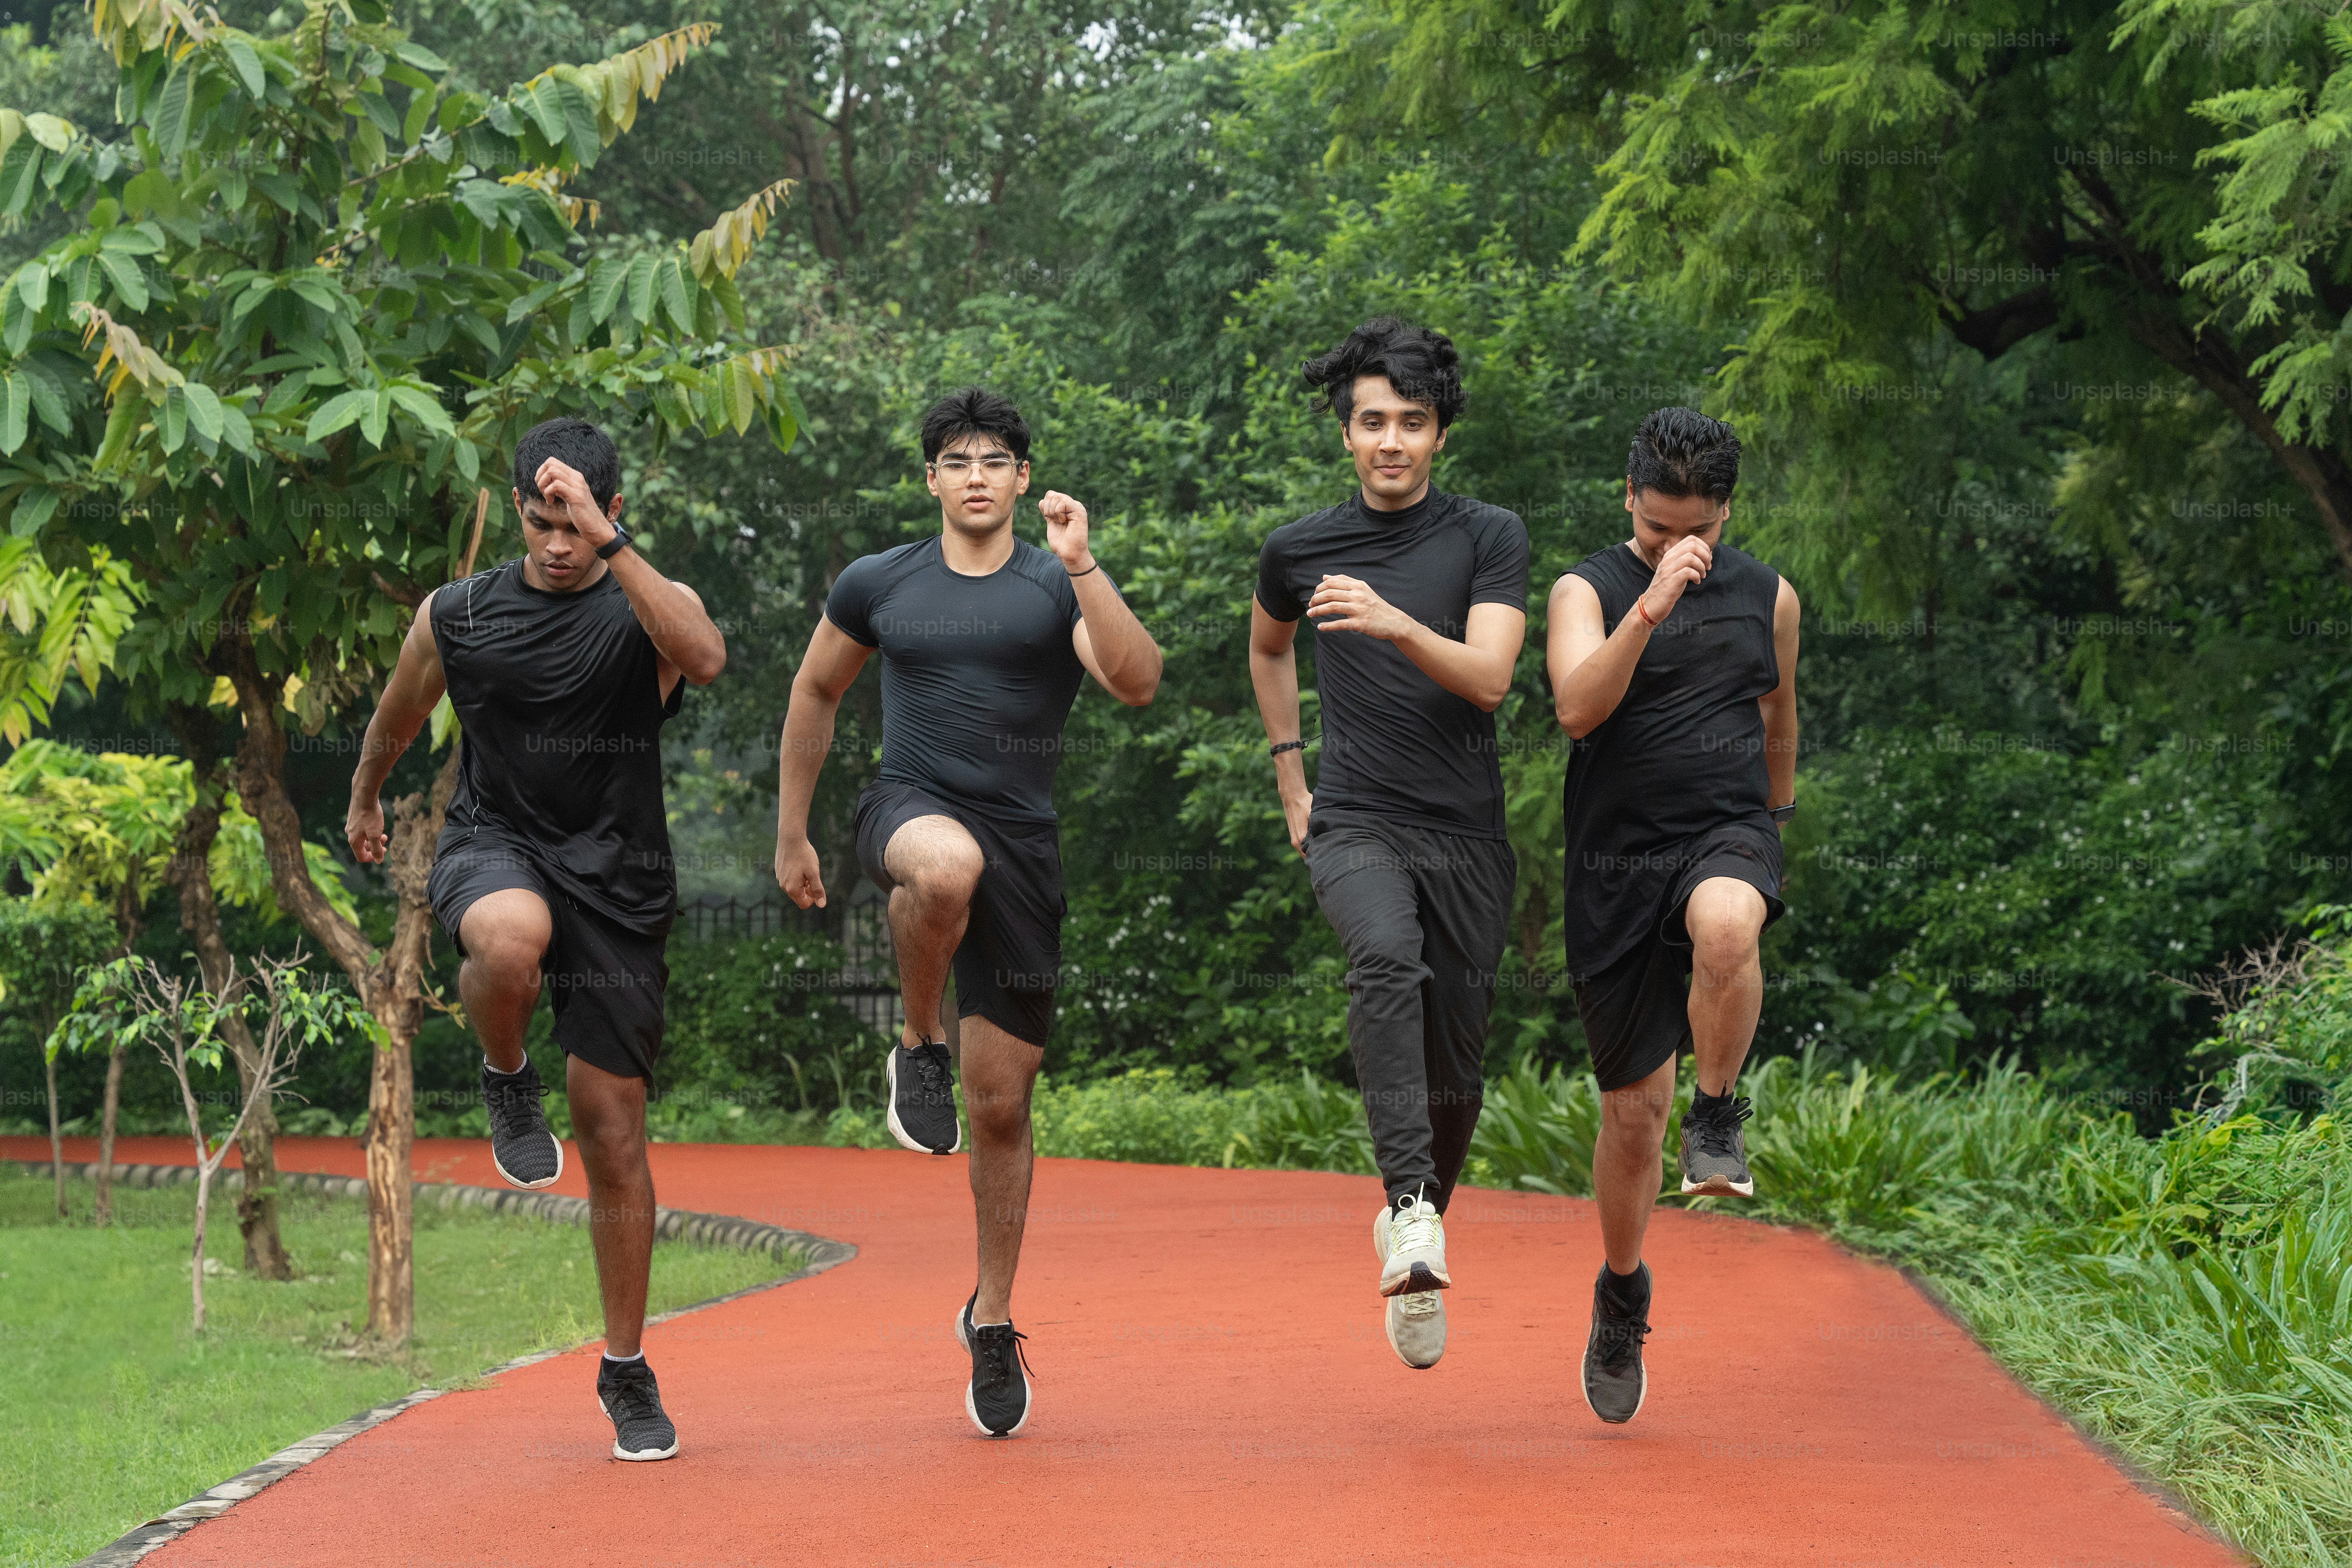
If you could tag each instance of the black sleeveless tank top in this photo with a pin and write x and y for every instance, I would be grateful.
(1680, 761)
(560, 700)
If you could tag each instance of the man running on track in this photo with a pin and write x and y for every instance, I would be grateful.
(553, 867)
(984, 638)
(1673, 664)
(1419, 603)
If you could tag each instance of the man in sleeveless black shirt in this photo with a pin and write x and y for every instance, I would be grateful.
(1418, 599)
(984, 639)
(1673, 664)
(553, 868)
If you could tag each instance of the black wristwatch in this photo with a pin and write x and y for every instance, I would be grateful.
(614, 545)
(1783, 813)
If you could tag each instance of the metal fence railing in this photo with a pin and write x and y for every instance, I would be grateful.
(868, 981)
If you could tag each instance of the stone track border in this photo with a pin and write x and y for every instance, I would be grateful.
(669, 1225)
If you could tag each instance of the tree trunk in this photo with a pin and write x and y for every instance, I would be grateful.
(57, 1140)
(196, 1273)
(191, 875)
(389, 984)
(105, 1213)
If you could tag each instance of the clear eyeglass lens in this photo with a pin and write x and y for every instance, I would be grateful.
(958, 468)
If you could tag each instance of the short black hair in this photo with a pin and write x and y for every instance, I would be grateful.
(1682, 452)
(1420, 364)
(974, 411)
(577, 442)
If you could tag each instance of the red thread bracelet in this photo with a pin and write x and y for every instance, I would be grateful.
(1643, 610)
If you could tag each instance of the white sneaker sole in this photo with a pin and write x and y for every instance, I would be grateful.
(1721, 1187)
(529, 1186)
(640, 1455)
(1416, 1278)
(1028, 1397)
(905, 1140)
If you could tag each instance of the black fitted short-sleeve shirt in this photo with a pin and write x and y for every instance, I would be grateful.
(1394, 743)
(977, 673)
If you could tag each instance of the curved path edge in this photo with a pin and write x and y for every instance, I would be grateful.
(2155, 1488)
(669, 1225)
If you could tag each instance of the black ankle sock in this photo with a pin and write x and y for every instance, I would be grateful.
(1625, 1289)
(1702, 1100)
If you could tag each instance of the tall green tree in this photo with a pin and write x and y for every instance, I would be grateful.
(311, 299)
(1865, 196)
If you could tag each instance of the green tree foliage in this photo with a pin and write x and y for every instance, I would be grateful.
(1877, 200)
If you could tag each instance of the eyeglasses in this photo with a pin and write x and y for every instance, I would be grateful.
(956, 468)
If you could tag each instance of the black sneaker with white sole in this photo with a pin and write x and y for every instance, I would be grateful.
(641, 1429)
(1715, 1150)
(997, 1398)
(1615, 1382)
(526, 1153)
(922, 1100)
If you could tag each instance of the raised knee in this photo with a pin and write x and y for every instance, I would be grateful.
(950, 874)
(508, 956)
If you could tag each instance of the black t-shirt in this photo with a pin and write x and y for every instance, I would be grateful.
(559, 698)
(1679, 763)
(1396, 743)
(977, 673)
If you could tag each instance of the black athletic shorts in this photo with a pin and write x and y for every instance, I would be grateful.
(1011, 956)
(604, 980)
(1637, 1011)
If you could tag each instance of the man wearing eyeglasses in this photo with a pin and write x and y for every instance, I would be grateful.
(984, 638)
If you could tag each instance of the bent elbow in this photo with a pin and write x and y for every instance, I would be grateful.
(706, 670)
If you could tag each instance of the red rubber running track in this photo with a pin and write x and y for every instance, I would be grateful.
(1212, 1386)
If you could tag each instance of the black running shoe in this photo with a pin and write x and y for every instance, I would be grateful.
(526, 1153)
(1614, 1383)
(997, 1399)
(630, 1396)
(922, 1100)
(1714, 1150)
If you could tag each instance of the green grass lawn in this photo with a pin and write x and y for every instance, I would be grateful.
(116, 1413)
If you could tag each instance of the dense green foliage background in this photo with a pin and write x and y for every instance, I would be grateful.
(2073, 688)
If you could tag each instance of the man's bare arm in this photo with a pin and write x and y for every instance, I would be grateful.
(1273, 675)
(672, 614)
(1112, 643)
(1590, 667)
(1589, 670)
(830, 664)
(408, 700)
(1779, 704)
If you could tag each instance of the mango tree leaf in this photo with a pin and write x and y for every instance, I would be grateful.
(16, 405)
(641, 286)
(425, 409)
(128, 282)
(204, 410)
(33, 510)
(336, 413)
(676, 297)
(248, 61)
(375, 415)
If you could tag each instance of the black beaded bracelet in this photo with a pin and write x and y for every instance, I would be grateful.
(1281, 746)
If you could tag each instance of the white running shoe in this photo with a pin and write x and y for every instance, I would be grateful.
(1415, 1257)
(1416, 1318)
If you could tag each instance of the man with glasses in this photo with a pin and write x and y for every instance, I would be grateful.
(984, 638)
